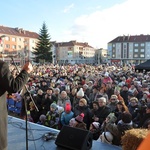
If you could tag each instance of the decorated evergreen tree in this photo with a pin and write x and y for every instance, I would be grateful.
(42, 51)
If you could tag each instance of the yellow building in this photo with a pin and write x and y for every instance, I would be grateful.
(18, 43)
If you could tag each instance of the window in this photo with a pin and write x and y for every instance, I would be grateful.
(135, 55)
(113, 45)
(142, 44)
(142, 55)
(136, 50)
(19, 39)
(142, 50)
(13, 46)
(7, 46)
(13, 39)
(136, 44)
(148, 44)
(7, 38)
(19, 46)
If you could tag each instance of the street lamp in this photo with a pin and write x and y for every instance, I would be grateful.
(2, 37)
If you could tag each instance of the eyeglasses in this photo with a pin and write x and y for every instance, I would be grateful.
(113, 99)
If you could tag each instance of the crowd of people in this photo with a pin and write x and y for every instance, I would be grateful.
(105, 99)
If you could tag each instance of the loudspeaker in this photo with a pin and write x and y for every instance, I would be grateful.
(74, 138)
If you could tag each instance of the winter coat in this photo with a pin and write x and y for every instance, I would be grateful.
(11, 85)
(118, 130)
(52, 119)
(87, 114)
(66, 117)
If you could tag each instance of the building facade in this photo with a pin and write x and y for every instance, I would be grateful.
(133, 49)
(101, 56)
(18, 43)
(74, 52)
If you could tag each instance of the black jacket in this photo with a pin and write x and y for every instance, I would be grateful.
(11, 85)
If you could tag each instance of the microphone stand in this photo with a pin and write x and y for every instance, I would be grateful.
(26, 114)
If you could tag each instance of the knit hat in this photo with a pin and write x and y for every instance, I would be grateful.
(133, 99)
(79, 118)
(80, 93)
(96, 125)
(68, 107)
(126, 117)
(84, 101)
(107, 137)
(42, 118)
(112, 118)
(60, 109)
(53, 105)
(106, 74)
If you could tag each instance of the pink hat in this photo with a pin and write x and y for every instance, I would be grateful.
(79, 118)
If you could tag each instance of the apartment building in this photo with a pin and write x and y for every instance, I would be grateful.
(20, 44)
(74, 52)
(129, 49)
(101, 56)
(17, 42)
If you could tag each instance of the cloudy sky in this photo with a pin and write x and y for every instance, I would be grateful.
(94, 21)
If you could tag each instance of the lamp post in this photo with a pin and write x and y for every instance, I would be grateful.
(2, 37)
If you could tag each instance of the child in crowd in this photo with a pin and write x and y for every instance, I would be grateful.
(95, 129)
(42, 120)
(77, 122)
(67, 115)
(52, 117)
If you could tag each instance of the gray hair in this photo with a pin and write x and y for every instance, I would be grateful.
(57, 89)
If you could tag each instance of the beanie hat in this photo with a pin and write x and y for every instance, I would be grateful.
(60, 109)
(84, 101)
(112, 118)
(134, 99)
(68, 107)
(80, 93)
(107, 137)
(96, 125)
(53, 105)
(79, 118)
(42, 118)
(126, 117)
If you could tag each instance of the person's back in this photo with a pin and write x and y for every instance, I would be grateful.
(11, 85)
